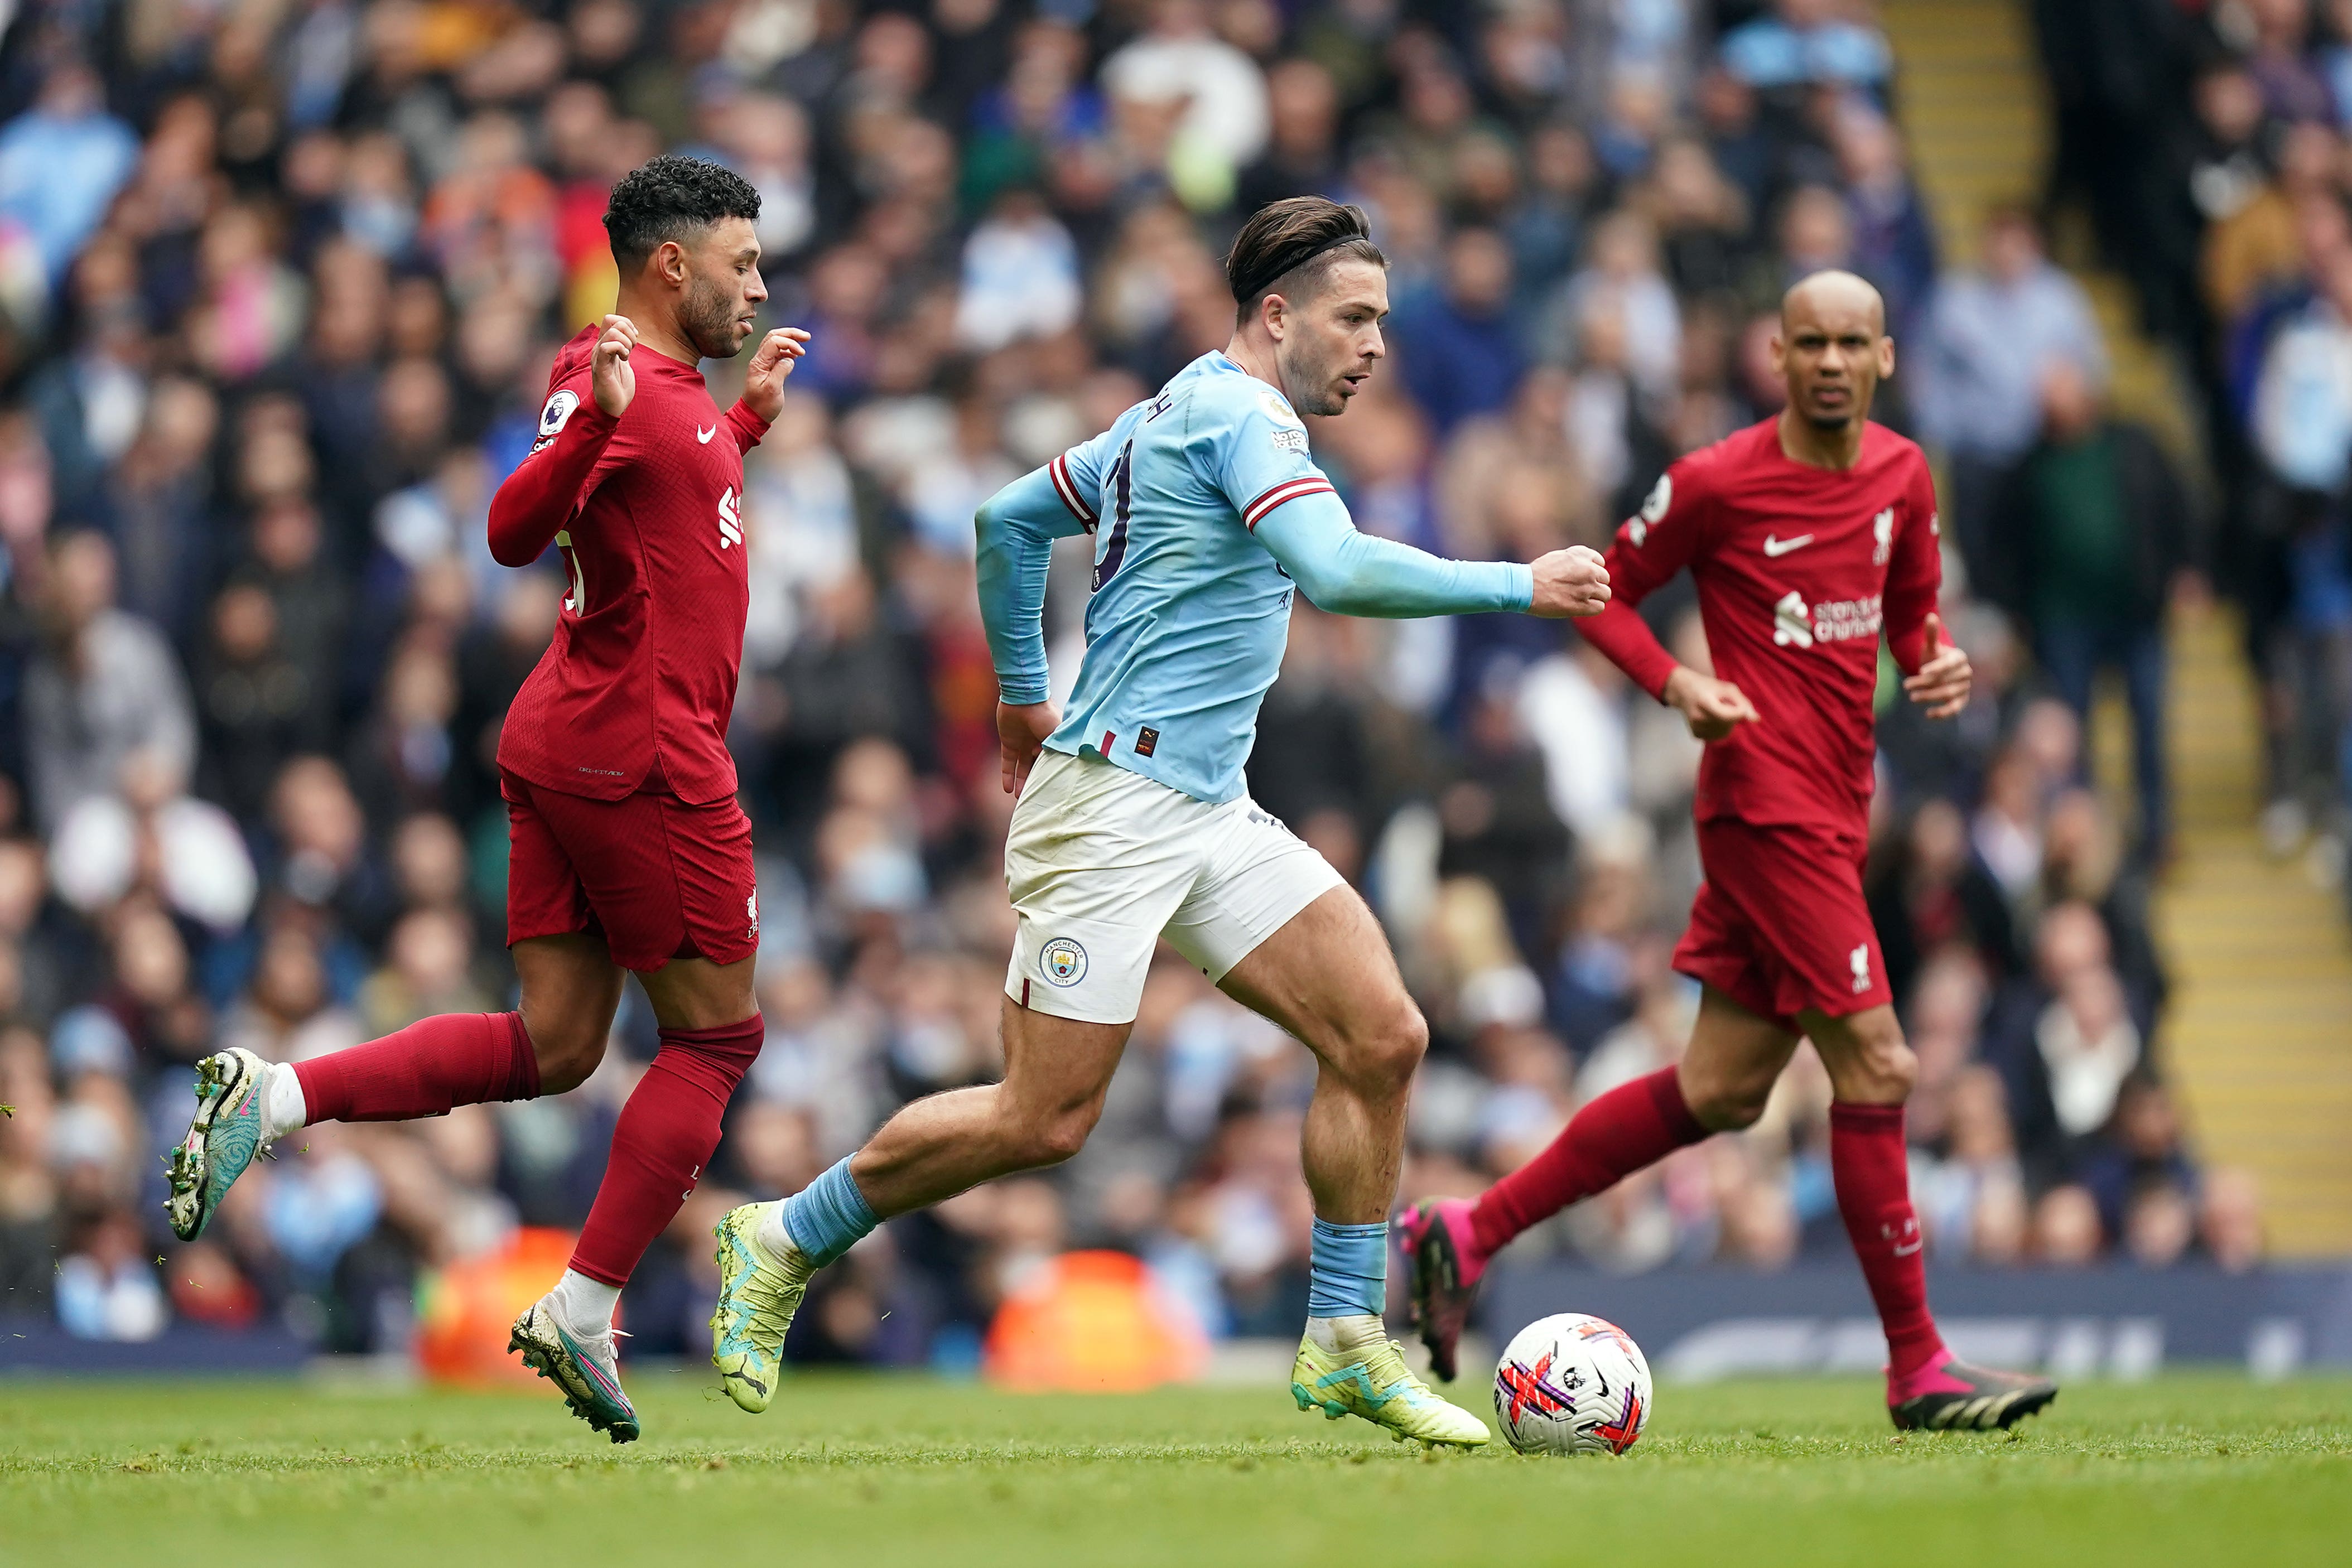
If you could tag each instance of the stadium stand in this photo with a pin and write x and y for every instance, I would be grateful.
(278, 287)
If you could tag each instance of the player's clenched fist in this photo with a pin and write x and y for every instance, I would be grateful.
(1711, 708)
(616, 381)
(1571, 581)
(763, 383)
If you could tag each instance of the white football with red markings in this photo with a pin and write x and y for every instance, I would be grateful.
(1571, 1383)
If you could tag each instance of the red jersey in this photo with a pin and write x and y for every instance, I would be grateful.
(640, 680)
(1796, 570)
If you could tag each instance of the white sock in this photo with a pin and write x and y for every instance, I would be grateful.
(585, 1305)
(770, 1234)
(1357, 1329)
(282, 1109)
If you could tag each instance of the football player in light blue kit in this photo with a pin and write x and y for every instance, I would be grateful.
(1208, 516)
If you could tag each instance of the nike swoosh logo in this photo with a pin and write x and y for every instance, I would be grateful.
(1774, 549)
(704, 436)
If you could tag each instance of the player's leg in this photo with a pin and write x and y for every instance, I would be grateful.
(1739, 1044)
(1057, 1072)
(1280, 933)
(1871, 1070)
(569, 985)
(556, 1038)
(1096, 859)
(1829, 974)
(710, 1031)
(671, 885)
(1327, 978)
(1720, 1085)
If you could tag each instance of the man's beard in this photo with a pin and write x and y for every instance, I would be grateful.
(1829, 421)
(1306, 384)
(708, 318)
(1314, 396)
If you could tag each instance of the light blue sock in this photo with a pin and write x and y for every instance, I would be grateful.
(827, 1217)
(1349, 1269)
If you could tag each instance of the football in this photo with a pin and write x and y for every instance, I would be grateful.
(1570, 1383)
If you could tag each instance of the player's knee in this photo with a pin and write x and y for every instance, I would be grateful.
(1730, 1104)
(567, 1051)
(1888, 1069)
(1056, 1136)
(1392, 1052)
(1062, 1137)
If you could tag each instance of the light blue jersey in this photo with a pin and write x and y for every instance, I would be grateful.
(1208, 513)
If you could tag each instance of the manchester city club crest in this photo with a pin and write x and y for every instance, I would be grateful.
(1064, 961)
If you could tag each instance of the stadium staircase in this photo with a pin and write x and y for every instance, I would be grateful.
(2258, 1037)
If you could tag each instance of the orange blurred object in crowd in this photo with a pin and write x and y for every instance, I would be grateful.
(465, 1310)
(1093, 1322)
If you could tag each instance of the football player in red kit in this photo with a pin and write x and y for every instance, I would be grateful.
(1805, 535)
(628, 851)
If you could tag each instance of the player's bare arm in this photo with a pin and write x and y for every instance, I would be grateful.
(1945, 676)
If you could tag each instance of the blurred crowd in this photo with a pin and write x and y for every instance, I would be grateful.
(280, 283)
(2207, 140)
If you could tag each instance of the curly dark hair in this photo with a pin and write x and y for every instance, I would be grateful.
(668, 198)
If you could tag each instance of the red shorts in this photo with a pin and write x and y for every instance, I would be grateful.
(656, 878)
(1779, 925)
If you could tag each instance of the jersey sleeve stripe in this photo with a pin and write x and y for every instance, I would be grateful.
(1288, 490)
(1064, 487)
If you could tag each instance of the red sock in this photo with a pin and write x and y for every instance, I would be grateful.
(434, 1064)
(665, 1137)
(1872, 1173)
(1632, 1125)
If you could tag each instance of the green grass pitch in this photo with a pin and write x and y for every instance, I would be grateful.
(878, 1471)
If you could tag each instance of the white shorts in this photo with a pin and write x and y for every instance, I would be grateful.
(1100, 863)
